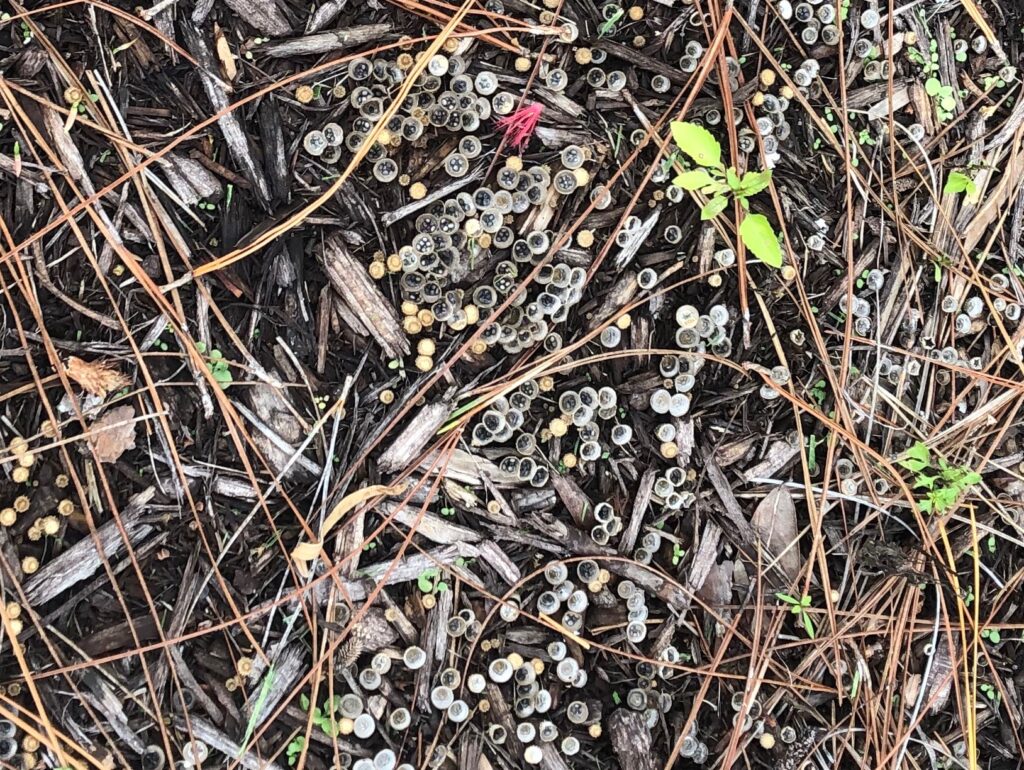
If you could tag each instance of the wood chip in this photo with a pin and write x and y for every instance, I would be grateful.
(631, 740)
(414, 438)
(358, 291)
(264, 15)
(326, 42)
(82, 560)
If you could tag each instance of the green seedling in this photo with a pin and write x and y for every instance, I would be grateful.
(678, 552)
(818, 392)
(219, 369)
(990, 692)
(991, 635)
(325, 718)
(429, 581)
(942, 96)
(958, 182)
(720, 184)
(799, 608)
(943, 483)
(294, 749)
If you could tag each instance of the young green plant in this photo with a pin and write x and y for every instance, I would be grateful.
(294, 749)
(799, 608)
(959, 182)
(720, 184)
(943, 483)
(430, 582)
(325, 718)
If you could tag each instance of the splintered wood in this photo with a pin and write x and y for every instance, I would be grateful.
(374, 314)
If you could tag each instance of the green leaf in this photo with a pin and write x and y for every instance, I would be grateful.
(932, 86)
(787, 598)
(924, 481)
(692, 180)
(732, 179)
(808, 625)
(426, 580)
(943, 499)
(958, 182)
(441, 587)
(697, 142)
(257, 708)
(714, 207)
(304, 702)
(758, 236)
(755, 181)
(918, 457)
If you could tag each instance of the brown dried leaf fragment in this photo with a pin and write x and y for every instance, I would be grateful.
(96, 377)
(775, 521)
(113, 434)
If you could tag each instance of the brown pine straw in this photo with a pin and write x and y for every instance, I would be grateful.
(862, 454)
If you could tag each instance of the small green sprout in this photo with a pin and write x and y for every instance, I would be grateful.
(958, 182)
(713, 179)
(678, 552)
(818, 392)
(942, 95)
(608, 25)
(991, 635)
(429, 581)
(219, 369)
(294, 749)
(990, 692)
(799, 608)
(944, 483)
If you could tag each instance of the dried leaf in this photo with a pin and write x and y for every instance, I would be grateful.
(96, 377)
(113, 434)
(227, 59)
(775, 521)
